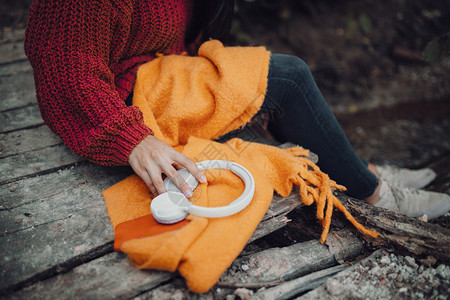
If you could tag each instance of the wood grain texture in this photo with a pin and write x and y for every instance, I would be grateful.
(20, 141)
(36, 162)
(110, 276)
(20, 118)
(59, 217)
(17, 91)
(405, 234)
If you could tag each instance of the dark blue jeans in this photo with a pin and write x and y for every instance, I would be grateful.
(299, 114)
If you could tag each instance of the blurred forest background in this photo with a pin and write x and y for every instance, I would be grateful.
(383, 66)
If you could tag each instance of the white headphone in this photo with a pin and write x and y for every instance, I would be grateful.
(172, 207)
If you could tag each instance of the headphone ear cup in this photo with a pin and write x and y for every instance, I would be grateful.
(187, 176)
(169, 207)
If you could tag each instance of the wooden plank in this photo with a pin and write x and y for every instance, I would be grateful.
(37, 250)
(12, 52)
(20, 141)
(176, 289)
(275, 217)
(278, 263)
(36, 162)
(17, 91)
(41, 235)
(22, 192)
(282, 264)
(15, 68)
(111, 276)
(268, 226)
(323, 293)
(299, 285)
(20, 118)
(12, 35)
(282, 205)
(74, 190)
(401, 232)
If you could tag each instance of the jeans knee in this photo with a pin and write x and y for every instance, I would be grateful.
(290, 66)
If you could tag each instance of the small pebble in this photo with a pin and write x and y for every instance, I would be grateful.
(243, 293)
(421, 268)
(385, 260)
(403, 290)
(367, 264)
(245, 267)
(393, 267)
(392, 276)
(334, 287)
(375, 271)
(423, 218)
(411, 262)
(443, 271)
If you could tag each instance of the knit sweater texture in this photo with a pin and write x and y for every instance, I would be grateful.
(85, 54)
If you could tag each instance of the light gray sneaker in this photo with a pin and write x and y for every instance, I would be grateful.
(413, 202)
(406, 177)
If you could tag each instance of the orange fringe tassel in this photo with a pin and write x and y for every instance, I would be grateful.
(316, 186)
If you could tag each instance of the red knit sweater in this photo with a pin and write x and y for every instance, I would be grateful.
(85, 54)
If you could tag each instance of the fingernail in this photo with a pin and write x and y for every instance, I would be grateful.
(203, 179)
(188, 193)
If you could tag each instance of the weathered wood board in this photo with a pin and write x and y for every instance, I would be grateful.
(25, 140)
(12, 52)
(36, 162)
(16, 90)
(110, 276)
(20, 118)
(46, 231)
(15, 68)
(287, 263)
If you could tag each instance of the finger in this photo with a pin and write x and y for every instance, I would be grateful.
(146, 178)
(191, 167)
(148, 182)
(156, 178)
(153, 190)
(179, 181)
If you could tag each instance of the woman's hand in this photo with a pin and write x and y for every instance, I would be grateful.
(152, 157)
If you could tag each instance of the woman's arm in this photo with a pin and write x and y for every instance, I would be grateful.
(70, 45)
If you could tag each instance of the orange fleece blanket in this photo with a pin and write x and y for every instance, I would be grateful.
(188, 101)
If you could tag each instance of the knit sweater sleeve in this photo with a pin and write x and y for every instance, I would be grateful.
(69, 46)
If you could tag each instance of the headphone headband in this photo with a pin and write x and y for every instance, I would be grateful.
(172, 207)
